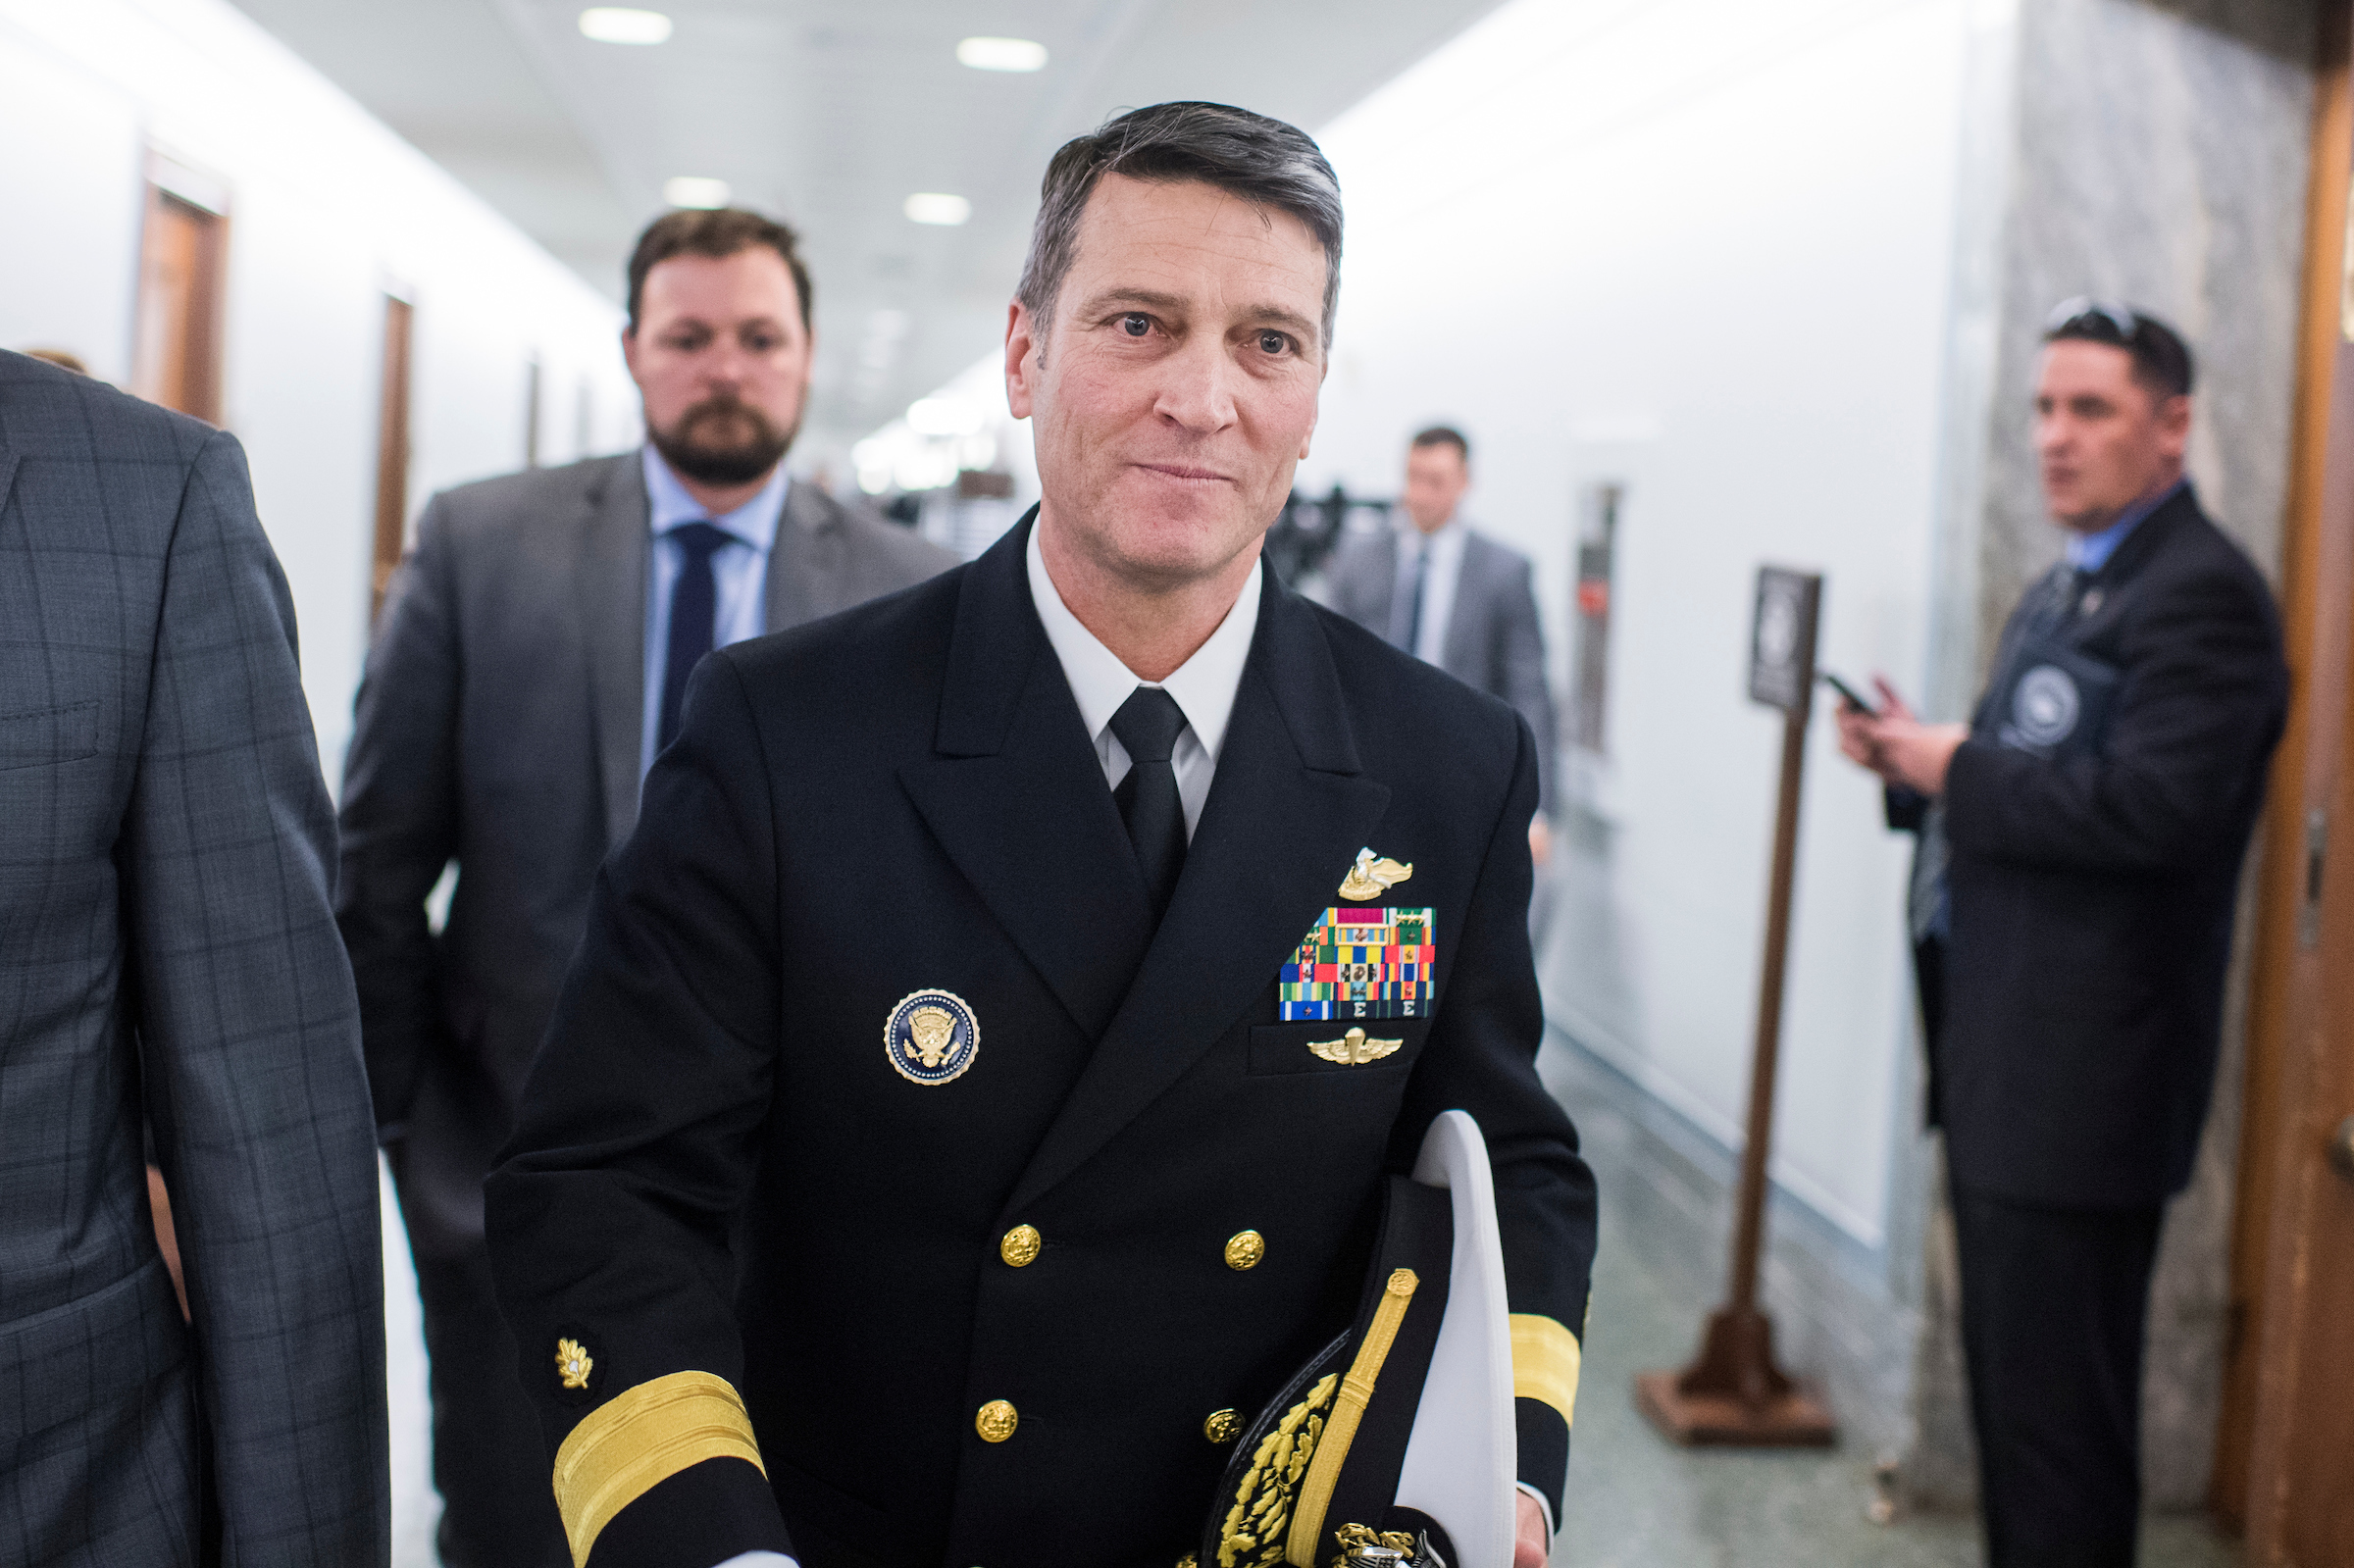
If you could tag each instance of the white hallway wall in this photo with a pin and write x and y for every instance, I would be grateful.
(327, 211)
(1701, 247)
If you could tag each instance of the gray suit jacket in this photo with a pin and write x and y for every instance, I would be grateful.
(168, 953)
(1495, 640)
(499, 726)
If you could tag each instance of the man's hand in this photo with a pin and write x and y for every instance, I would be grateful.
(1529, 1548)
(1540, 841)
(1895, 744)
(1916, 755)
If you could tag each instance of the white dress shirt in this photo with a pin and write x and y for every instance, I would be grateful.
(739, 572)
(1204, 686)
(1446, 548)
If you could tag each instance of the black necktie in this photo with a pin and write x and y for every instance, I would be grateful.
(1148, 725)
(694, 618)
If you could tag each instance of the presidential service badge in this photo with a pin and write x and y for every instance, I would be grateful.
(931, 1036)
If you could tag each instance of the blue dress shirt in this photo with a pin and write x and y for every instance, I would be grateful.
(739, 570)
(2089, 552)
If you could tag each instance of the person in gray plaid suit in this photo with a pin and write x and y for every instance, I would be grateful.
(167, 955)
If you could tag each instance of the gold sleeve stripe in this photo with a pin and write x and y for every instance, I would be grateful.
(1357, 1392)
(1545, 1363)
(640, 1438)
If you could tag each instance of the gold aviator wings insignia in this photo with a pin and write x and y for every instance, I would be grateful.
(1354, 1049)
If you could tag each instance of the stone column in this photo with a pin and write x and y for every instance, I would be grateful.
(2151, 152)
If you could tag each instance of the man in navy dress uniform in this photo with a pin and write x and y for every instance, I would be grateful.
(956, 1120)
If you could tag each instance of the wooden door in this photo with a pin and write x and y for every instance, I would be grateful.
(2285, 1446)
(177, 357)
(391, 454)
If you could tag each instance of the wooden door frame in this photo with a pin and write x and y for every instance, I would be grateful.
(395, 396)
(2305, 926)
(205, 345)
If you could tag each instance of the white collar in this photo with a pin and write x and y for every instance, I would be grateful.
(1204, 686)
(1446, 534)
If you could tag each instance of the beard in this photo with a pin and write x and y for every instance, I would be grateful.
(723, 440)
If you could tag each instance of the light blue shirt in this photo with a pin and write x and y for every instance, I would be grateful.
(2089, 552)
(740, 570)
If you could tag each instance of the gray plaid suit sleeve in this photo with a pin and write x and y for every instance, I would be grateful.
(251, 1035)
(164, 888)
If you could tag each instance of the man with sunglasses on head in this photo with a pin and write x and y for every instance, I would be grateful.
(2073, 897)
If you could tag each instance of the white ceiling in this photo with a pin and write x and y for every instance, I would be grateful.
(829, 113)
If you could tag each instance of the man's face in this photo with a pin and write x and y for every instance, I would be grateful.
(1436, 477)
(723, 360)
(2104, 440)
(1175, 389)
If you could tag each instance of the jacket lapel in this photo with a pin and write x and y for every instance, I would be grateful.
(806, 566)
(610, 580)
(1017, 797)
(1287, 812)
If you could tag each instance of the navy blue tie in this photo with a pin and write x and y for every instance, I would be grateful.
(1148, 725)
(1413, 616)
(694, 618)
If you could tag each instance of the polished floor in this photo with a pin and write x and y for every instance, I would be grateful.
(1639, 1502)
(1635, 1500)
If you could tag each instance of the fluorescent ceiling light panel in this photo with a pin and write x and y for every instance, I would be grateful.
(935, 207)
(694, 190)
(624, 25)
(1001, 53)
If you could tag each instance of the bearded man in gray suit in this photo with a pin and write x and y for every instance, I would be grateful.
(1454, 598)
(168, 957)
(528, 667)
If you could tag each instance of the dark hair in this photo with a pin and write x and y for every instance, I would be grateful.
(1263, 160)
(2161, 359)
(1444, 435)
(714, 231)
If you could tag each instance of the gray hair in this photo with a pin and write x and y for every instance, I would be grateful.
(1263, 160)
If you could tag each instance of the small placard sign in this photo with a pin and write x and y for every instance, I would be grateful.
(1781, 639)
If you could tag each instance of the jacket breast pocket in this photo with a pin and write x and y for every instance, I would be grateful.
(1351, 1049)
(39, 736)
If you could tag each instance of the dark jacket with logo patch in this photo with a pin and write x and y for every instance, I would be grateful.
(719, 1168)
(2094, 871)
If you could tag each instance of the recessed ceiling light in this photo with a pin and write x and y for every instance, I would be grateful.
(624, 25)
(1001, 53)
(694, 190)
(933, 207)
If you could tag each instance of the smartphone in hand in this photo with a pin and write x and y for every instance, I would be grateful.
(1847, 693)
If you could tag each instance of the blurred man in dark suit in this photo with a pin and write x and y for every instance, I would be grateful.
(167, 956)
(1455, 598)
(2081, 838)
(528, 667)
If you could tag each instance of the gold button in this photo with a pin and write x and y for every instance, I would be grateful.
(1246, 1249)
(995, 1421)
(1223, 1426)
(1020, 1246)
